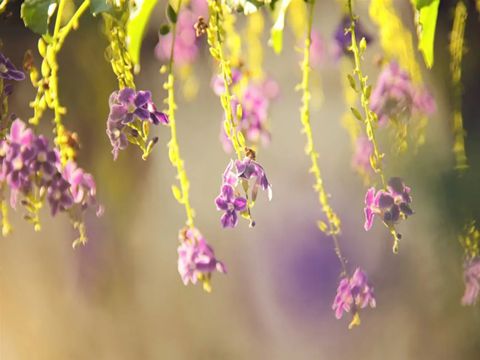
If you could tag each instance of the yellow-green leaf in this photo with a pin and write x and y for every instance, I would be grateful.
(135, 28)
(427, 11)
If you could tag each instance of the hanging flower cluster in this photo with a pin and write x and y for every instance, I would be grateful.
(196, 259)
(31, 168)
(249, 174)
(353, 294)
(127, 106)
(396, 97)
(391, 205)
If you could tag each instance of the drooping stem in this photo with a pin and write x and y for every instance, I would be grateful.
(215, 34)
(370, 118)
(456, 53)
(182, 194)
(47, 89)
(332, 227)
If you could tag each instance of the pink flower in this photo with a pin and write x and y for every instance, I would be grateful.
(392, 205)
(354, 292)
(196, 258)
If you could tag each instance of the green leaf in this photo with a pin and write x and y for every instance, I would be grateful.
(276, 34)
(136, 26)
(171, 14)
(356, 113)
(100, 6)
(36, 13)
(422, 3)
(427, 22)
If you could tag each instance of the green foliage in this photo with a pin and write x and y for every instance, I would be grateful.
(171, 14)
(276, 36)
(136, 27)
(36, 14)
(427, 22)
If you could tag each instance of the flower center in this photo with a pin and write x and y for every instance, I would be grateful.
(42, 156)
(57, 195)
(17, 163)
(3, 68)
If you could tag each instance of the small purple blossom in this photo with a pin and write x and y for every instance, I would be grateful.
(343, 39)
(82, 186)
(391, 205)
(353, 293)
(229, 199)
(8, 71)
(396, 97)
(248, 169)
(231, 203)
(59, 195)
(196, 258)
(471, 276)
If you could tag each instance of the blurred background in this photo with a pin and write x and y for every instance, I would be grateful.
(120, 296)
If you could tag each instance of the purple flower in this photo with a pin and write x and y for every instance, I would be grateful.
(396, 97)
(392, 205)
(471, 276)
(229, 202)
(353, 293)
(363, 152)
(196, 258)
(46, 159)
(8, 70)
(59, 195)
(343, 39)
(118, 139)
(249, 169)
(82, 186)
(127, 105)
(28, 163)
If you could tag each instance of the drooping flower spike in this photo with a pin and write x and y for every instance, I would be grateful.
(196, 259)
(391, 205)
(353, 294)
(31, 168)
(249, 174)
(126, 107)
(396, 97)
